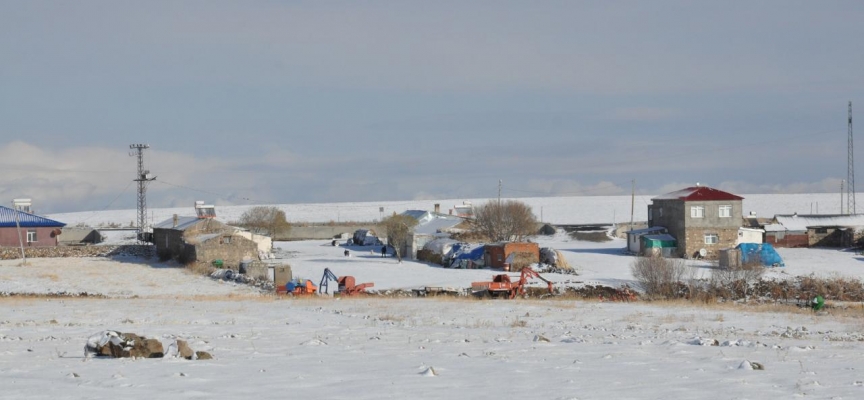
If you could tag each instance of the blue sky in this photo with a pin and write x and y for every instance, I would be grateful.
(311, 101)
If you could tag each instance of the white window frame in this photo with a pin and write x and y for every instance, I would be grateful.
(712, 238)
(31, 236)
(697, 211)
(724, 211)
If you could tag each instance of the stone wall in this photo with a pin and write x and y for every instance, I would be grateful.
(11, 253)
(694, 239)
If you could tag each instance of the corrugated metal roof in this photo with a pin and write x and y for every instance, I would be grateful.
(25, 220)
(699, 193)
(646, 230)
(775, 228)
(183, 223)
(802, 222)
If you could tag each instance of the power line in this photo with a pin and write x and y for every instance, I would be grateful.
(109, 203)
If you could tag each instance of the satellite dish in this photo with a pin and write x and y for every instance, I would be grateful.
(703, 252)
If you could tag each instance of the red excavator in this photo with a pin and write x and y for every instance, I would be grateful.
(346, 284)
(503, 284)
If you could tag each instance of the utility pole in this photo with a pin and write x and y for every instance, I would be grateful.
(499, 193)
(142, 178)
(632, 201)
(850, 178)
(18, 204)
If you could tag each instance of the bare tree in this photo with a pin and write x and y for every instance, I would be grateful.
(399, 228)
(265, 220)
(658, 276)
(504, 221)
(737, 279)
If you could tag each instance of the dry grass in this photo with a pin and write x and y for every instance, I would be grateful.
(51, 277)
(200, 268)
(518, 323)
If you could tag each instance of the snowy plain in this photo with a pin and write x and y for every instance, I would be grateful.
(372, 348)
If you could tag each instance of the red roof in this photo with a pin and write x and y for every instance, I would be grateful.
(699, 193)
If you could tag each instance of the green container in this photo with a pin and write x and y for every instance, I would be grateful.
(217, 263)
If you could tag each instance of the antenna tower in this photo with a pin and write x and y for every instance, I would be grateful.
(850, 178)
(142, 178)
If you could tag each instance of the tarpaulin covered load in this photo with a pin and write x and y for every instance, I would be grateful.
(465, 256)
(760, 252)
(444, 247)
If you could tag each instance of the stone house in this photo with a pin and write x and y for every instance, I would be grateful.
(703, 220)
(203, 240)
(35, 231)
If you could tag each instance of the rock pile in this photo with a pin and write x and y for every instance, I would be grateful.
(129, 345)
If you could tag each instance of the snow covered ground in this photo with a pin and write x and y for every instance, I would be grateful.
(372, 348)
(559, 210)
(362, 348)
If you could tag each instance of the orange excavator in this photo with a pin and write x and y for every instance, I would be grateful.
(346, 284)
(503, 284)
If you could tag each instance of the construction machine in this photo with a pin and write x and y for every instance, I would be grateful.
(504, 285)
(346, 285)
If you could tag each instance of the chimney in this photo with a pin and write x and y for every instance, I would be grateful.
(175, 220)
(437, 208)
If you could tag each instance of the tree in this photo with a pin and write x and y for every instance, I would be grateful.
(399, 228)
(659, 277)
(265, 219)
(504, 221)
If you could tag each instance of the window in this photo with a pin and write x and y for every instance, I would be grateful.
(821, 230)
(725, 211)
(712, 238)
(697, 212)
(31, 236)
(226, 240)
(660, 211)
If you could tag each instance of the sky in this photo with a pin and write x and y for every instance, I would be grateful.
(274, 102)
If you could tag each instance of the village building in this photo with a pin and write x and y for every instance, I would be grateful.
(203, 239)
(636, 238)
(35, 230)
(79, 236)
(702, 220)
(817, 230)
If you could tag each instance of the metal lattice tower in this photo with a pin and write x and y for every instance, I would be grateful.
(142, 178)
(850, 174)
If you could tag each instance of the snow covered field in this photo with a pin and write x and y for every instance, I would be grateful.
(371, 348)
(558, 210)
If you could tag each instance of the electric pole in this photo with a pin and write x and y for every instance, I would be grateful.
(850, 178)
(632, 201)
(142, 178)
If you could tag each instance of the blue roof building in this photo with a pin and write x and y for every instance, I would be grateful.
(36, 231)
(25, 220)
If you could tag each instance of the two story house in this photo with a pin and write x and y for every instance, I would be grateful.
(703, 220)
